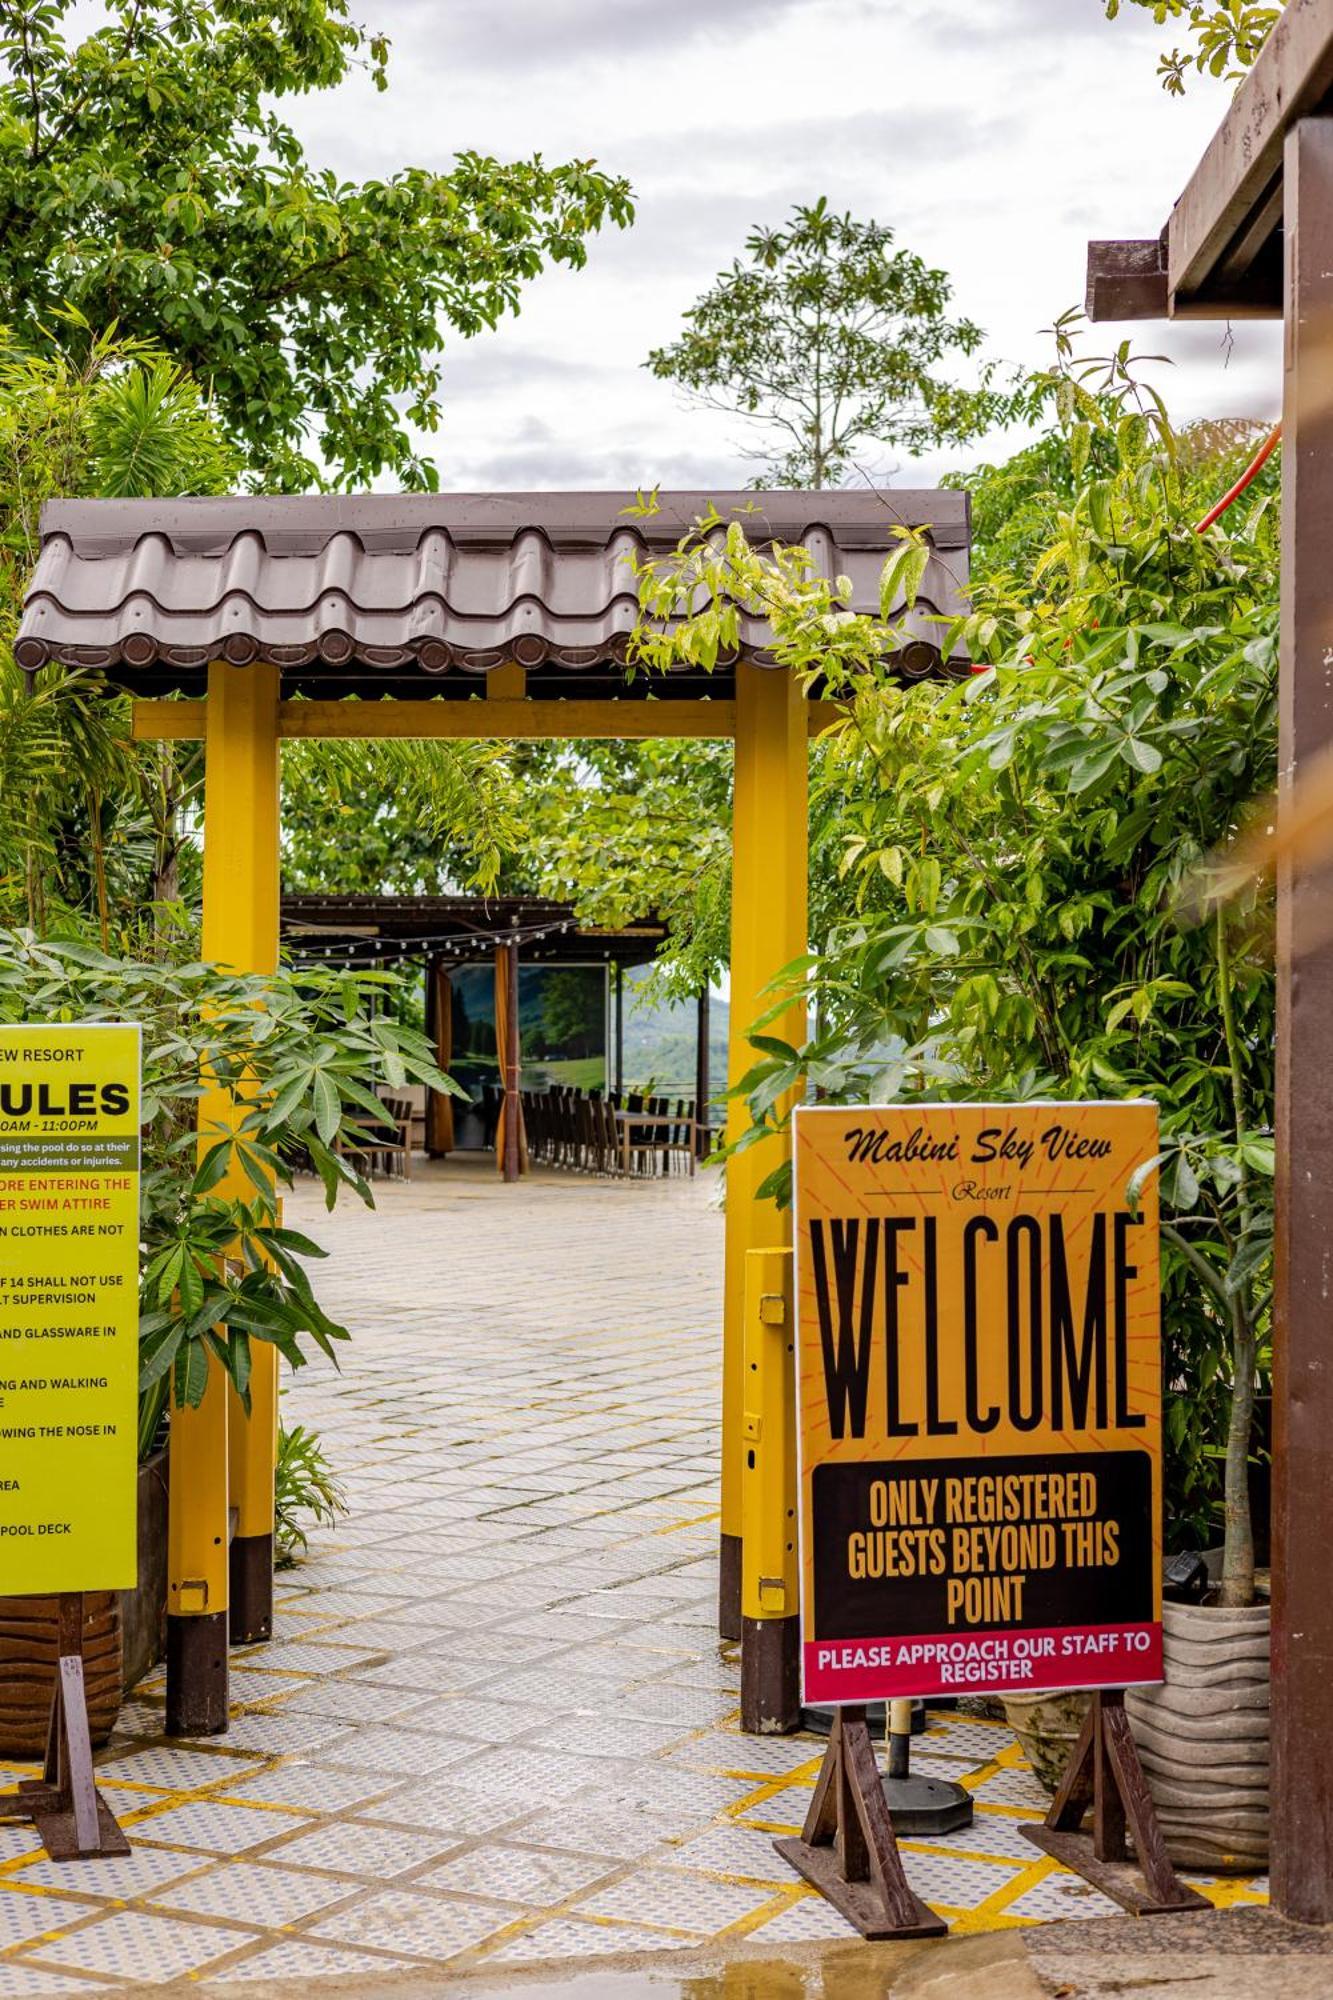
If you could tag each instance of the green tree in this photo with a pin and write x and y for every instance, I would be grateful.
(828, 340)
(1014, 850)
(88, 824)
(147, 179)
(391, 818)
(1227, 36)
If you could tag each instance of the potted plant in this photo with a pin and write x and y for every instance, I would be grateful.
(1203, 1734)
(303, 1057)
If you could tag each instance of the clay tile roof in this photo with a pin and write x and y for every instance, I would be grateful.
(376, 593)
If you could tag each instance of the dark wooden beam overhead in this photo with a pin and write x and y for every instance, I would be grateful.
(1233, 182)
(1222, 249)
(1127, 280)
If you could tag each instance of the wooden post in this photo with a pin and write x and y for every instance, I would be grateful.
(208, 1471)
(620, 1029)
(702, 1092)
(768, 930)
(511, 1059)
(1302, 1655)
(1104, 1777)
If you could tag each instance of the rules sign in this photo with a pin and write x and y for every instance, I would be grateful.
(69, 1308)
(979, 1361)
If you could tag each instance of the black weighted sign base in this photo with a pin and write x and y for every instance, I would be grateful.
(1104, 1773)
(847, 1848)
(72, 1818)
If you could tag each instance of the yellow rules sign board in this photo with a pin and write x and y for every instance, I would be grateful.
(69, 1308)
(979, 1369)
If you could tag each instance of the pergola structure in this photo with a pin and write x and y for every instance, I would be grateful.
(442, 932)
(249, 621)
(1252, 237)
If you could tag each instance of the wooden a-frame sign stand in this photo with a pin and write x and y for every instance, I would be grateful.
(847, 1848)
(70, 1814)
(1104, 1773)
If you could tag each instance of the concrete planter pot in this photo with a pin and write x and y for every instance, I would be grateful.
(122, 1638)
(1047, 1727)
(1203, 1737)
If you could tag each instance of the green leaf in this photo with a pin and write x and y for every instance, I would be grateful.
(328, 1108)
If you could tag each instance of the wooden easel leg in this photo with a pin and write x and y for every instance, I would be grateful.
(847, 1848)
(1104, 1772)
(69, 1813)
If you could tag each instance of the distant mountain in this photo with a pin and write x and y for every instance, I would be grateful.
(660, 1043)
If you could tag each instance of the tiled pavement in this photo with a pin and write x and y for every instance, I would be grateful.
(495, 1725)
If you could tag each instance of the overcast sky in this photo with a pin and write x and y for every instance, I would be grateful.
(994, 136)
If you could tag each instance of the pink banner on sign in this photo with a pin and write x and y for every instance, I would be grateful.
(1026, 1662)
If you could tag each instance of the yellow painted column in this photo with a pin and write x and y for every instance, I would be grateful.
(770, 1586)
(220, 1458)
(769, 921)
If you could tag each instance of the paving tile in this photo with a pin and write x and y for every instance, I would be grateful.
(141, 1946)
(18, 1980)
(566, 1937)
(953, 1880)
(277, 1734)
(808, 1921)
(496, 1718)
(676, 1900)
(299, 1959)
(112, 1875)
(308, 1656)
(994, 1834)
(1061, 1897)
(354, 1848)
(524, 1875)
(254, 1892)
(25, 1915)
(311, 1788)
(212, 1826)
(1011, 1788)
(735, 1850)
(409, 1922)
(168, 1768)
(350, 1701)
(402, 1752)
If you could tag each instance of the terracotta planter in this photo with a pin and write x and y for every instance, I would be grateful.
(1047, 1726)
(143, 1610)
(1203, 1737)
(124, 1635)
(28, 1637)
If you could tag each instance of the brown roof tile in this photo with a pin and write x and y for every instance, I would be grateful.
(373, 589)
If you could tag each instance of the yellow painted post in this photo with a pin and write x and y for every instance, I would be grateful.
(770, 1681)
(768, 930)
(208, 1473)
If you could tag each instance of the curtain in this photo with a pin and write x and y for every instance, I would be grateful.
(439, 1108)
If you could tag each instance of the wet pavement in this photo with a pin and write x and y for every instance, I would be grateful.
(495, 1730)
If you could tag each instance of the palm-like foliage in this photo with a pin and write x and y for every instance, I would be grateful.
(75, 797)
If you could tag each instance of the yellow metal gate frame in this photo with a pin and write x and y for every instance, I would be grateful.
(222, 1460)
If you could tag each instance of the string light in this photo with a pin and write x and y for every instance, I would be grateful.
(374, 950)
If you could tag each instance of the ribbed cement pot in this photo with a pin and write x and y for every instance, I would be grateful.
(1203, 1736)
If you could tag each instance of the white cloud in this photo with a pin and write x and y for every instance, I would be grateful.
(995, 138)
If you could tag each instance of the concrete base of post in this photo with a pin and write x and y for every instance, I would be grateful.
(771, 1676)
(729, 1619)
(251, 1595)
(197, 1675)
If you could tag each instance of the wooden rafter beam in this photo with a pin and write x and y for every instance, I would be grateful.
(515, 720)
(1220, 253)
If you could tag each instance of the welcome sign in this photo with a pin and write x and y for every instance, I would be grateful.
(69, 1308)
(979, 1383)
